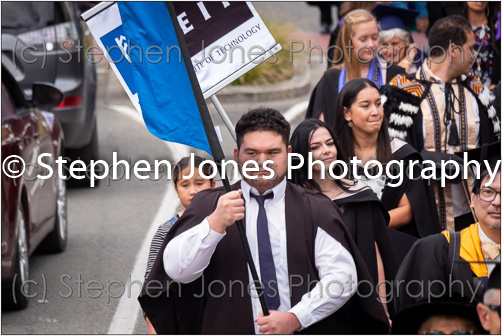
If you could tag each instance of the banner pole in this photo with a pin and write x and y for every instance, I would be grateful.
(216, 150)
(252, 268)
(224, 116)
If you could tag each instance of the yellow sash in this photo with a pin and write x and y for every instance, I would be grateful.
(470, 249)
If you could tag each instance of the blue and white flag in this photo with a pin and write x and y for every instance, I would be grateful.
(166, 93)
(218, 41)
(162, 91)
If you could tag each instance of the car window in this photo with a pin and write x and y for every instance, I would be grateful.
(23, 16)
(37, 22)
(61, 13)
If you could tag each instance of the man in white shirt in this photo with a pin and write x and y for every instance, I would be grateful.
(313, 256)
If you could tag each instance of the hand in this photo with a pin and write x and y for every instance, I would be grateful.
(278, 323)
(409, 56)
(230, 209)
(151, 329)
(422, 24)
(411, 52)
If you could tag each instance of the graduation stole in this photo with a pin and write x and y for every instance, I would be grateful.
(452, 111)
(455, 108)
(484, 98)
(402, 104)
(374, 75)
(470, 249)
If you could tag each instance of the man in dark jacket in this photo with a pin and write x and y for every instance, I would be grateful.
(306, 259)
(458, 263)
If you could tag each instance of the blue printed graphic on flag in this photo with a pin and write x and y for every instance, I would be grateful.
(117, 46)
(169, 107)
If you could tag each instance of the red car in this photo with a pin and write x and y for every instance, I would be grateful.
(33, 209)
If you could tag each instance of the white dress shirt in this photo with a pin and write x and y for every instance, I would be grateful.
(190, 253)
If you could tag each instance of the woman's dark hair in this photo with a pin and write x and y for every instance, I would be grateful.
(185, 162)
(346, 98)
(300, 144)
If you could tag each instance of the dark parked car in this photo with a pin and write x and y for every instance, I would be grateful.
(47, 41)
(33, 210)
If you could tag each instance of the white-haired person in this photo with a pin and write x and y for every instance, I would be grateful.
(396, 43)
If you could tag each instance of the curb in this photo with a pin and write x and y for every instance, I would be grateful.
(298, 85)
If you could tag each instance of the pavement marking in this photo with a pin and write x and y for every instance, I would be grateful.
(128, 308)
(129, 112)
(295, 110)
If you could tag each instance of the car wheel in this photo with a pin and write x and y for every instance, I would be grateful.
(15, 295)
(55, 242)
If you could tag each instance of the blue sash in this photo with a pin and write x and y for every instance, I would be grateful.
(374, 75)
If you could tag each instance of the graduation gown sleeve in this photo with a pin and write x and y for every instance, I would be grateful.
(367, 222)
(427, 273)
(419, 193)
(426, 261)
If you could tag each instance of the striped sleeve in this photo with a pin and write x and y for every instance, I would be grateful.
(157, 240)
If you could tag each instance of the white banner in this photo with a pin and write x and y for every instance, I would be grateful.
(224, 39)
(106, 27)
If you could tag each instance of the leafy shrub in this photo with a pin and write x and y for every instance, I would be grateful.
(277, 68)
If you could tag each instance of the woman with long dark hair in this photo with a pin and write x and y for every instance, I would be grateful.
(362, 131)
(363, 213)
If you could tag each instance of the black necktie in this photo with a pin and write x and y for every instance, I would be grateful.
(267, 267)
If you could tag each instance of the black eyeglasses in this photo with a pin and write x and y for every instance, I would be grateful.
(494, 308)
(454, 332)
(487, 194)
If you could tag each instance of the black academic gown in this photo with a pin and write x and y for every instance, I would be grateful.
(426, 269)
(324, 96)
(367, 222)
(420, 194)
(175, 309)
(425, 220)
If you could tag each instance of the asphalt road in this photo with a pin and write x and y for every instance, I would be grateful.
(87, 289)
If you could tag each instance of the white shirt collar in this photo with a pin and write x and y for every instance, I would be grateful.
(279, 191)
(482, 236)
(428, 73)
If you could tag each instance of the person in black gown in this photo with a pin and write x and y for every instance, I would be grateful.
(364, 215)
